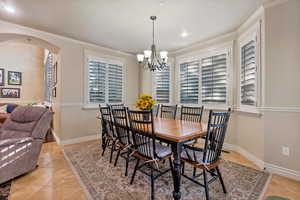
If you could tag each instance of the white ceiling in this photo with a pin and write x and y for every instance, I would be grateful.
(125, 24)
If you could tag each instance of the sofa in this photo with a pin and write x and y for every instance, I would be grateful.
(21, 139)
(5, 115)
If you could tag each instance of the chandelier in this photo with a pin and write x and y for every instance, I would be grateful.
(150, 58)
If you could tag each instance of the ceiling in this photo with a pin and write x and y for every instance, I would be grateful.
(125, 24)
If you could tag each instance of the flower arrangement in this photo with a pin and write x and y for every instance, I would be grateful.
(145, 102)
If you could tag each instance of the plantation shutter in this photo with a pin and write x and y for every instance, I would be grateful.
(162, 81)
(115, 80)
(189, 82)
(49, 77)
(248, 74)
(97, 79)
(214, 79)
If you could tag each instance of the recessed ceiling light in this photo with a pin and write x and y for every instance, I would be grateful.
(9, 9)
(184, 34)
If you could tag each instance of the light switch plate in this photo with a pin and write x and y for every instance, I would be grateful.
(285, 150)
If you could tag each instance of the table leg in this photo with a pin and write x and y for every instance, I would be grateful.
(176, 172)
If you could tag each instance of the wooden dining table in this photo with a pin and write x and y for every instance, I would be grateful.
(176, 133)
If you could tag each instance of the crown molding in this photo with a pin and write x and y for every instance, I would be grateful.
(258, 14)
(229, 36)
(64, 38)
(271, 3)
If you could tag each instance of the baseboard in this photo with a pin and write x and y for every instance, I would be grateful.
(260, 163)
(79, 139)
(230, 147)
(283, 171)
(274, 169)
(56, 137)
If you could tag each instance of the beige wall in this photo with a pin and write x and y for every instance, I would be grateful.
(283, 84)
(27, 59)
(71, 119)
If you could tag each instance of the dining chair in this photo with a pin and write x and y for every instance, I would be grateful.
(192, 114)
(146, 147)
(156, 110)
(208, 158)
(115, 106)
(167, 111)
(124, 145)
(109, 137)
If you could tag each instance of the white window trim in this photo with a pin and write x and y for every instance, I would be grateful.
(89, 55)
(198, 56)
(253, 33)
(171, 71)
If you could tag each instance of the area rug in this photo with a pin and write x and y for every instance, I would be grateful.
(102, 181)
(276, 198)
(4, 190)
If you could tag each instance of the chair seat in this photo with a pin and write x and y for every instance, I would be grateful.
(190, 142)
(162, 151)
(191, 157)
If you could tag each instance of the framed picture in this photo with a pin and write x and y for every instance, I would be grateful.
(55, 74)
(2, 80)
(14, 78)
(54, 92)
(10, 92)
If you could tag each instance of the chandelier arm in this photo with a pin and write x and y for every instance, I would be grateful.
(153, 31)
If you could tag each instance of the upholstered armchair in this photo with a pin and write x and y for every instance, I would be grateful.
(21, 139)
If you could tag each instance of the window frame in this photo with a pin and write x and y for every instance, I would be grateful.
(108, 61)
(253, 33)
(181, 61)
(226, 48)
(228, 52)
(171, 71)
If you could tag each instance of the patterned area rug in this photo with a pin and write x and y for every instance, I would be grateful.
(4, 190)
(103, 181)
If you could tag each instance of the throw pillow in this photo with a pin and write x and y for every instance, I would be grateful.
(3, 109)
(10, 108)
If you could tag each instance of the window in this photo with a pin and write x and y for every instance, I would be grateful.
(189, 82)
(162, 85)
(248, 73)
(105, 82)
(214, 79)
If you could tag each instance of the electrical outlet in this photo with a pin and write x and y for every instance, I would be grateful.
(285, 150)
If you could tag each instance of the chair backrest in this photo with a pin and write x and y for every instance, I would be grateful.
(168, 111)
(216, 130)
(155, 110)
(116, 106)
(106, 122)
(141, 124)
(121, 124)
(193, 114)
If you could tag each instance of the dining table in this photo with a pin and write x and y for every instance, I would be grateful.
(175, 133)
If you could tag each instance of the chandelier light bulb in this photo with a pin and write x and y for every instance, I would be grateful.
(164, 54)
(140, 58)
(147, 53)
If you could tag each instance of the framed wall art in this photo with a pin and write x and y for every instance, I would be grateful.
(14, 78)
(2, 77)
(10, 92)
